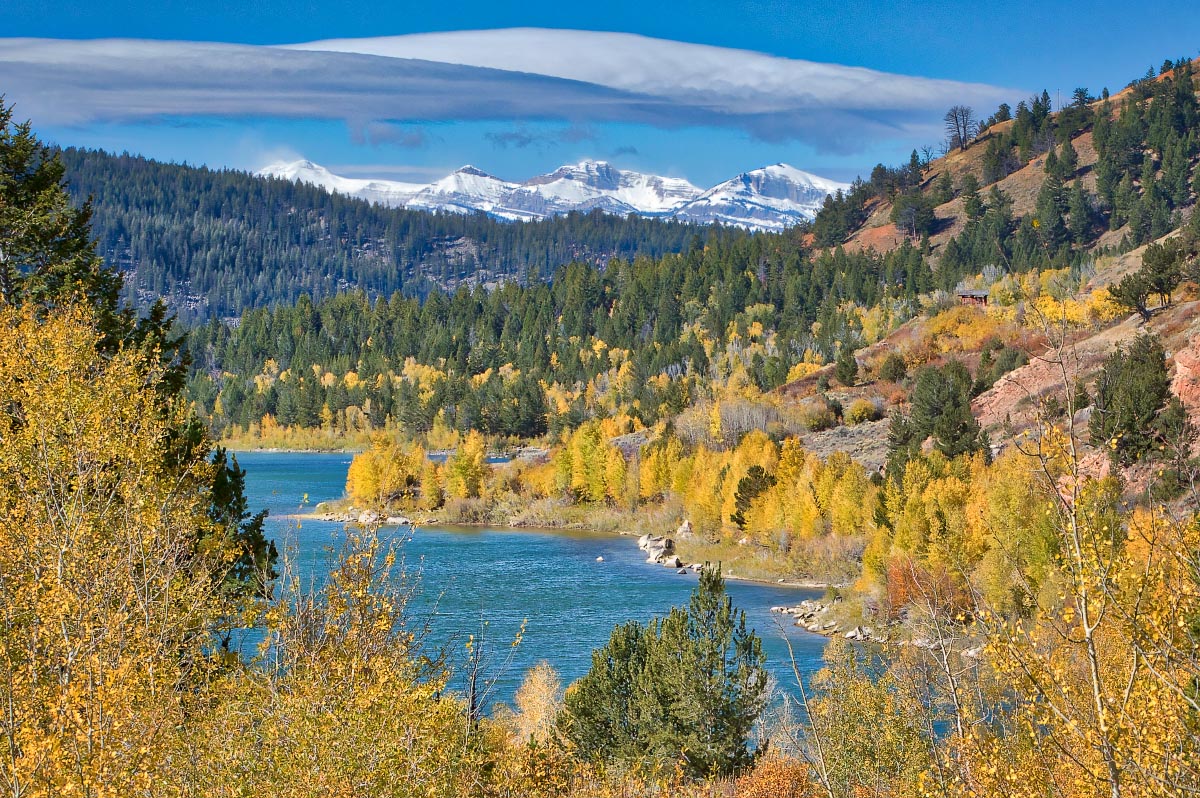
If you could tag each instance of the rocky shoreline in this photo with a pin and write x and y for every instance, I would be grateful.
(660, 550)
(365, 517)
(814, 616)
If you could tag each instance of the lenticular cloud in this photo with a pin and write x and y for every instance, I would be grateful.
(519, 74)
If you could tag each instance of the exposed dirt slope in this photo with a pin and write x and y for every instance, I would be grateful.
(1021, 186)
(878, 233)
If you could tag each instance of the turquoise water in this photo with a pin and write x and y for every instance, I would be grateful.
(550, 580)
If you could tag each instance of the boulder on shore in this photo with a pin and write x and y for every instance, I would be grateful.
(659, 542)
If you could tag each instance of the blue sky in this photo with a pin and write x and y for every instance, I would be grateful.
(358, 109)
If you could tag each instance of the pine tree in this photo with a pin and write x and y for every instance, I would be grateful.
(972, 203)
(1079, 214)
(254, 568)
(46, 252)
(756, 481)
(1050, 166)
(1133, 291)
(1175, 172)
(893, 368)
(685, 690)
(47, 260)
(1162, 266)
(1068, 161)
(941, 410)
(943, 189)
(1131, 389)
(1125, 201)
(601, 717)
(1051, 204)
(846, 366)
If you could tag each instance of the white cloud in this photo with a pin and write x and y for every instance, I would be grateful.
(718, 78)
(522, 74)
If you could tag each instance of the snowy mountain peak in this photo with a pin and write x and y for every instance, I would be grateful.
(785, 172)
(473, 171)
(295, 170)
(770, 198)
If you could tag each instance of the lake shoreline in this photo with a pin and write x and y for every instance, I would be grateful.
(510, 575)
(238, 449)
(801, 584)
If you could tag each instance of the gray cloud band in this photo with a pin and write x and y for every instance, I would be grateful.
(57, 82)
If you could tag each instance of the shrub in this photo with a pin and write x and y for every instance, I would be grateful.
(466, 511)
(817, 416)
(776, 777)
(862, 410)
(893, 368)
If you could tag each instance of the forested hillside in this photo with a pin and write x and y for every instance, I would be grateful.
(1037, 186)
(215, 243)
(643, 338)
(1016, 208)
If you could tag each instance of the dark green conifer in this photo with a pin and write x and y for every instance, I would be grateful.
(685, 690)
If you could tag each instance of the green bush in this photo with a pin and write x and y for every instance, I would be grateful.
(893, 368)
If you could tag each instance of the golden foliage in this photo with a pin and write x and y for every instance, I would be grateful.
(389, 473)
(107, 602)
(467, 467)
(344, 701)
(963, 328)
(777, 777)
(861, 410)
(536, 705)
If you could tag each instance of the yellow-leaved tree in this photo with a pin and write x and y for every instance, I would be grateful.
(467, 467)
(390, 472)
(107, 602)
(350, 697)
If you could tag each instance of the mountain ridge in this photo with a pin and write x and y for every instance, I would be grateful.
(771, 198)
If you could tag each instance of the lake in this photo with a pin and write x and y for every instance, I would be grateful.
(548, 579)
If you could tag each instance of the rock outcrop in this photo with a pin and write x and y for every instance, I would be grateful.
(814, 617)
(659, 549)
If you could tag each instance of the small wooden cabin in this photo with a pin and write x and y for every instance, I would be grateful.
(973, 297)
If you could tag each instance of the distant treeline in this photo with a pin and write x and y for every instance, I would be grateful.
(218, 242)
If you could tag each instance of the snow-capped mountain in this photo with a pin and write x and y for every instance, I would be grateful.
(385, 192)
(771, 198)
(465, 190)
(599, 184)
